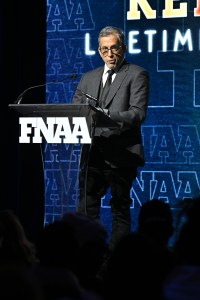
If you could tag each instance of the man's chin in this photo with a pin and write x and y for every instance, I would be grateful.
(111, 65)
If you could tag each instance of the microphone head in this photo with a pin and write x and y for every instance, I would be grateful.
(73, 75)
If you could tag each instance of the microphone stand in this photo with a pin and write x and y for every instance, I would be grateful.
(20, 97)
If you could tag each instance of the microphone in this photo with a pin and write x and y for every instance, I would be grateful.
(20, 97)
(91, 100)
(98, 107)
(89, 96)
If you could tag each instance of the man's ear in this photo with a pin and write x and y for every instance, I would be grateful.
(100, 53)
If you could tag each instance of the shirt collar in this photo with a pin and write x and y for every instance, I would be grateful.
(105, 69)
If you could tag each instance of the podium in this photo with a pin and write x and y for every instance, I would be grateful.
(91, 113)
(61, 162)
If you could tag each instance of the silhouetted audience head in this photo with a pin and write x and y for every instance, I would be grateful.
(183, 283)
(187, 245)
(57, 246)
(156, 221)
(59, 253)
(86, 228)
(137, 269)
(91, 236)
(14, 245)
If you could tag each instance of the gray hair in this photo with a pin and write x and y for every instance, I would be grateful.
(109, 30)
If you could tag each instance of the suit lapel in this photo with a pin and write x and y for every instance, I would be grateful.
(96, 82)
(121, 74)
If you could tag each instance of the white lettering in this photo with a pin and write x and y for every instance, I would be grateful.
(132, 40)
(87, 45)
(150, 34)
(183, 39)
(54, 130)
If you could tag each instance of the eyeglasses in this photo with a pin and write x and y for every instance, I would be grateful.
(114, 49)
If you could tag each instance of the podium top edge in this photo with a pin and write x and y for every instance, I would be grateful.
(49, 105)
(64, 109)
(50, 109)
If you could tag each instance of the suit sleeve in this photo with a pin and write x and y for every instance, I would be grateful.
(78, 97)
(135, 94)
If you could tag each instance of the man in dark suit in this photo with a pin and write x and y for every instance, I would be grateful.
(115, 153)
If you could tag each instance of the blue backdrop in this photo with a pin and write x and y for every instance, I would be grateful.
(163, 37)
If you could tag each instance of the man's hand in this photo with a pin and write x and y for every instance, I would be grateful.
(103, 110)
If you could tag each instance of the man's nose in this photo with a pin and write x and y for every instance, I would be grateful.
(110, 52)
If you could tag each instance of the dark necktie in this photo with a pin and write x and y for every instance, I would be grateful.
(106, 87)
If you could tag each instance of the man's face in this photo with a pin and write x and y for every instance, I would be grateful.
(115, 56)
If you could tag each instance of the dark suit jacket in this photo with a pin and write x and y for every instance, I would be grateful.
(127, 104)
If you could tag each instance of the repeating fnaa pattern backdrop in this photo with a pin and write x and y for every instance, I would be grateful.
(162, 36)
